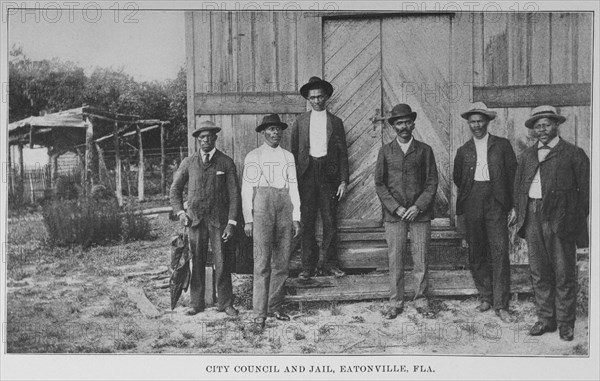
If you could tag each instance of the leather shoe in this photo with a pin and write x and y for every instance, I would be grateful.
(259, 323)
(336, 272)
(566, 332)
(540, 327)
(193, 311)
(504, 315)
(304, 275)
(484, 306)
(230, 311)
(280, 316)
(392, 313)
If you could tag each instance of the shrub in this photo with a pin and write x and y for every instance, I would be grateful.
(90, 221)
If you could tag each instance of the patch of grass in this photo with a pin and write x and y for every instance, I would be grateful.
(275, 343)
(187, 335)
(201, 343)
(94, 348)
(580, 350)
(308, 349)
(299, 335)
(125, 344)
(357, 319)
(335, 310)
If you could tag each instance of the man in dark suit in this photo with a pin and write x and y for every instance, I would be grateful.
(484, 172)
(406, 181)
(213, 204)
(552, 205)
(319, 147)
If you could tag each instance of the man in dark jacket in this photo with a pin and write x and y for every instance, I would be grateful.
(406, 181)
(319, 147)
(213, 204)
(552, 205)
(484, 172)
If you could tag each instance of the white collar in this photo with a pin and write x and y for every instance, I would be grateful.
(320, 113)
(482, 140)
(210, 153)
(405, 144)
(269, 148)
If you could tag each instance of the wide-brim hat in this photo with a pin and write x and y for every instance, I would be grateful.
(544, 112)
(271, 120)
(206, 125)
(402, 110)
(315, 83)
(479, 108)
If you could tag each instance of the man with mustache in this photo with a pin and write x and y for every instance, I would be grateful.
(271, 207)
(213, 203)
(484, 172)
(406, 182)
(319, 146)
(552, 204)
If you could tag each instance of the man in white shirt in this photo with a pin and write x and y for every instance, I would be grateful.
(552, 204)
(319, 146)
(271, 207)
(484, 172)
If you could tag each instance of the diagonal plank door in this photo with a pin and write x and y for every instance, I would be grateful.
(352, 63)
(416, 70)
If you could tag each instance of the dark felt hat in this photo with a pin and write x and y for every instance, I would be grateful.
(544, 112)
(271, 120)
(315, 83)
(206, 125)
(400, 111)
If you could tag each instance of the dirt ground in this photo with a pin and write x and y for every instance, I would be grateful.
(69, 300)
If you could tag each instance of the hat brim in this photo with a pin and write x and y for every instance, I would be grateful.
(490, 114)
(199, 130)
(261, 127)
(529, 122)
(315, 85)
(412, 115)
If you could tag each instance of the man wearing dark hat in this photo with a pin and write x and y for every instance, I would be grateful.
(271, 207)
(552, 205)
(213, 202)
(484, 172)
(406, 181)
(319, 146)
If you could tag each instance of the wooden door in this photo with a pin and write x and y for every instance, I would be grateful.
(374, 64)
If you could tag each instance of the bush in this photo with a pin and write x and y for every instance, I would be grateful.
(89, 221)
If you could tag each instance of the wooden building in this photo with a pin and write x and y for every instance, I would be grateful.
(243, 65)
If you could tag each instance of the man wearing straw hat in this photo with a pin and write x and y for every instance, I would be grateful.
(271, 207)
(319, 146)
(484, 172)
(552, 205)
(213, 202)
(406, 181)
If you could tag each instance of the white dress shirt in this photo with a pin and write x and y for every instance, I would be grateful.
(269, 167)
(404, 146)
(482, 170)
(318, 133)
(535, 189)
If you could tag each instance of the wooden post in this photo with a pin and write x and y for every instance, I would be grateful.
(180, 154)
(118, 183)
(163, 161)
(102, 163)
(21, 171)
(89, 135)
(140, 164)
(53, 159)
(9, 172)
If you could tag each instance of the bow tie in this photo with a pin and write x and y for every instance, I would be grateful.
(545, 146)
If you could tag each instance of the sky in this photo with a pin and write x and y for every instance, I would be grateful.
(149, 45)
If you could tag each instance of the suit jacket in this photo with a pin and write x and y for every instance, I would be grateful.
(213, 193)
(406, 179)
(336, 165)
(502, 165)
(565, 177)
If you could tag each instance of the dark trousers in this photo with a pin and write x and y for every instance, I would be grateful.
(199, 236)
(553, 267)
(396, 235)
(272, 231)
(318, 196)
(487, 234)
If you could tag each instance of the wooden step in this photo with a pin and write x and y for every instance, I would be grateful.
(376, 286)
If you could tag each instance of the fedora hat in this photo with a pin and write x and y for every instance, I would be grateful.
(544, 112)
(400, 111)
(206, 125)
(479, 108)
(271, 120)
(315, 83)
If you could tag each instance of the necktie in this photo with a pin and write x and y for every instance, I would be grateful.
(206, 159)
